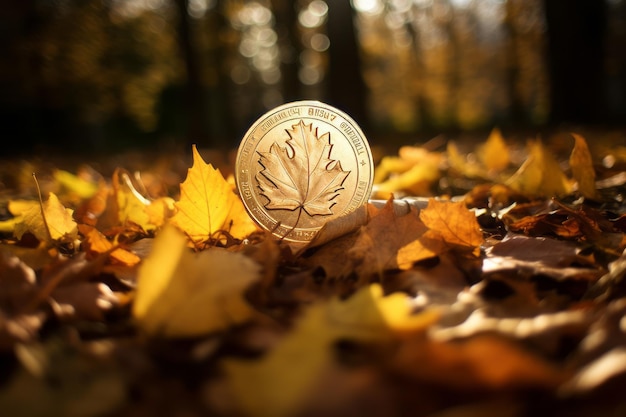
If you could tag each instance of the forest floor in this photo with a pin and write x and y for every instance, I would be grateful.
(487, 277)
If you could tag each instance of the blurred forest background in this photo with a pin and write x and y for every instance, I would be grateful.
(106, 75)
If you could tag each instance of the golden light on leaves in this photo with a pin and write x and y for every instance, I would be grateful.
(454, 223)
(301, 176)
(208, 205)
(185, 294)
(494, 153)
(540, 174)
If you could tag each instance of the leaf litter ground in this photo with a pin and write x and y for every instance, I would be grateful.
(484, 279)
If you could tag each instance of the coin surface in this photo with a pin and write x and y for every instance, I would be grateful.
(301, 165)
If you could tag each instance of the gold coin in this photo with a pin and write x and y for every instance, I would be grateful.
(301, 165)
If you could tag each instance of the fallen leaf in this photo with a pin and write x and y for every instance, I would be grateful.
(540, 175)
(454, 223)
(581, 164)
(58, 224)
(81, 187)
(208, 205)
(96, 243)
(185, 294)
(494, 153)
(389, 242)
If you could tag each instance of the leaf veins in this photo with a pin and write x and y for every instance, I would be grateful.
(301, 175)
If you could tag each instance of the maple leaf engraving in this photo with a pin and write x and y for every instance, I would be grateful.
(301, 175)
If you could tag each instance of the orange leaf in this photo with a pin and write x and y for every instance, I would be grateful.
(97, 243)
(208, 205)
(453, 222)
(389, 241)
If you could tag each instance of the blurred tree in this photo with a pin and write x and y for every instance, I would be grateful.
(286, 26)
(346, 87)
(576, 58)
(196, 107)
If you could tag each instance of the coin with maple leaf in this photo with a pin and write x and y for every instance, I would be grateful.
(301, 165)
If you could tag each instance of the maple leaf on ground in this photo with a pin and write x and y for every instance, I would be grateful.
(302, 175)
(208, 205)
(454, 223)
(389, 242)
(185, 294)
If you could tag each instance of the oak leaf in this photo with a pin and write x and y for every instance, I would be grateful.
(301, 175)
(273, 386)
(185, 294)
(208, 205)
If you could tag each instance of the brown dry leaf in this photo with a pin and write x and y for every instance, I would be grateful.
(208, 205)
(301, 176)
(389, 242)
(540, 175)
(581, 164)
(58, 224)
(185, 294)
(454, 223)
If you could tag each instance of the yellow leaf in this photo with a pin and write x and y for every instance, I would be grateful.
(81, 187)
(582, 167)
(494, 154)
(19, 207)
(277, 385)
(208, 205)
(453, 222)
(57, 225)
(185, 294)
(540, 174)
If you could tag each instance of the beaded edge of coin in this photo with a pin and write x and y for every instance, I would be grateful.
(271, 170)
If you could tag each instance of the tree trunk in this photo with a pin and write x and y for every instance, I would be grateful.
(195, 101)
(346, 87)
(576, 32)
(289, 44)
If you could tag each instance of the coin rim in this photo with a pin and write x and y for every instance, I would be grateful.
(277, 109)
